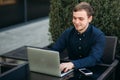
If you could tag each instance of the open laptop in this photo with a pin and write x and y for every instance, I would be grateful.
(45, 61)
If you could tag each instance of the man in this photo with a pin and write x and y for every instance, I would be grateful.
(84, 42)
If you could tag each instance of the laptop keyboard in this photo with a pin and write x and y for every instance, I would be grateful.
(64, 73)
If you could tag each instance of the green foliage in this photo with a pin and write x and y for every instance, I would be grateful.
(106, 17)
(60, 16)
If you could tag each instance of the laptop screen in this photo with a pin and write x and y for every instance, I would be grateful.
(44, 61)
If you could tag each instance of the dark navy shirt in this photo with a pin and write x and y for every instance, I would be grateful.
(85, 49)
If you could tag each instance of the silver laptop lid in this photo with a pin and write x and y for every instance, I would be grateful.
(44, 61)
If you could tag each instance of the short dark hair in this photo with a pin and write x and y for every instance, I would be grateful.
(84, 6)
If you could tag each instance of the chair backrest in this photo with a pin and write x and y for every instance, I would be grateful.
(110, 48)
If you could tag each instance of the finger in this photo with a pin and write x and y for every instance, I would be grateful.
(66, 69)
(61, 67)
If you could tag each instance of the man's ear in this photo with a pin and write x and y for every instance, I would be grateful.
(90, 18)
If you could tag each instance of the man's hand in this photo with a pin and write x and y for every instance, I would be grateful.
(66, 66)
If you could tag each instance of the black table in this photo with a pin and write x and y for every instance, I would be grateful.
(19, 54)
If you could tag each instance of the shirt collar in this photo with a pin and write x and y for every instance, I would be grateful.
(84, 33)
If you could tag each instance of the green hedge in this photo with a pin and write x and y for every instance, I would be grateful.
(60, 16)
(106, 17)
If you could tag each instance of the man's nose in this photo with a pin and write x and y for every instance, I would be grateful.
(77, 21)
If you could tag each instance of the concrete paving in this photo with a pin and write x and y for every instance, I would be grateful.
(34, 33)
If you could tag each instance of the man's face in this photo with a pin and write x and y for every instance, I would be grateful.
(81, 20)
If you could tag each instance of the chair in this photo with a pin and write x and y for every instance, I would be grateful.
(106, 70)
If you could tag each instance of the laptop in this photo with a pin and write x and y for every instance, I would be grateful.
(45, 61)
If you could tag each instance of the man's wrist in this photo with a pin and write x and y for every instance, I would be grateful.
(72, 65)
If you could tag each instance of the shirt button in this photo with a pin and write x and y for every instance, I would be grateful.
(80, 39)
(83, 35)
(80, 56)
(79, 47)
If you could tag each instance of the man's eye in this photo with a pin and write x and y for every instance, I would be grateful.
(81, 19)
(74, 18)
